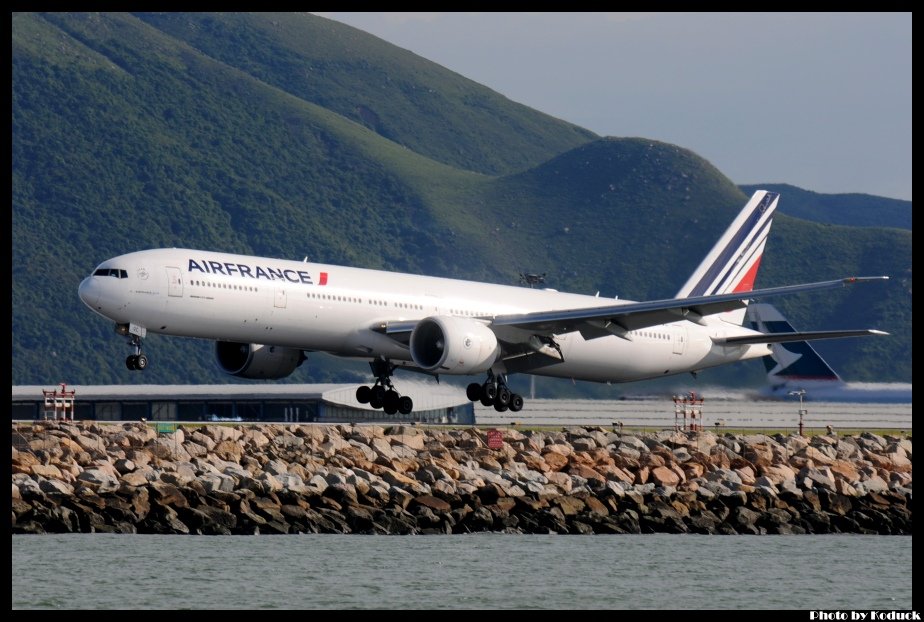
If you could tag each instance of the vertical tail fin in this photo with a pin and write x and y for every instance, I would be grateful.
(731, 265)
(794, 361)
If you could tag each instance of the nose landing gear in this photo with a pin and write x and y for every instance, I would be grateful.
(137, 361)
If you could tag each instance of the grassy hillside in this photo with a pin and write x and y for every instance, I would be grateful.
(405, 98)
(127, 134)
(855, 210)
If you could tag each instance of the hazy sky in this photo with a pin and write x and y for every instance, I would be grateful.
(819, 100)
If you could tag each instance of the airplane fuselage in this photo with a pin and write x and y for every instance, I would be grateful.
(340, 310)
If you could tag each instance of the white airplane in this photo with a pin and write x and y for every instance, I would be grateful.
(264, 314)
(797, 367)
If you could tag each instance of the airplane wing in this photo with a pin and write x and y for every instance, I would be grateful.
(618, 319)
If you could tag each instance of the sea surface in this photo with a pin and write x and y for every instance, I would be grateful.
(478, 571)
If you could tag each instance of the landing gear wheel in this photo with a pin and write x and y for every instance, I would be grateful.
(382, 394)
(495, 392)
(516, 403)
(136, 361)
(390, 403)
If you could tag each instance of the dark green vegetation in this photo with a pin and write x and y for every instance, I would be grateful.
(292, 135)
(855, 210)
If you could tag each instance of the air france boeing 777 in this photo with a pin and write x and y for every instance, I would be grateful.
(264, 314)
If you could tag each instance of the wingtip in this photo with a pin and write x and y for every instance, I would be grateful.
(873, 331)
(862, 279)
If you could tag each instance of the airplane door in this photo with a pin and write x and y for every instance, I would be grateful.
(680, 339)
(280, 299)
(174, 282)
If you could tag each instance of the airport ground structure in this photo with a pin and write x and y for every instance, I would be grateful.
(283, 403)
(134, 477)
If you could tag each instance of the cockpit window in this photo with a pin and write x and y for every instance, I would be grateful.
(119, 274)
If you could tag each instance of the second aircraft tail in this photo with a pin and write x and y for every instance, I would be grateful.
(792, 361)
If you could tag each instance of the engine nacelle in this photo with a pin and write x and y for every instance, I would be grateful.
(254, 360)
(453, 345)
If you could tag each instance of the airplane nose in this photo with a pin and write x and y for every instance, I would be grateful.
(89, 292)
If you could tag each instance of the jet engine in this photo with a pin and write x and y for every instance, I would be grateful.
(257, 361)
(453, 345)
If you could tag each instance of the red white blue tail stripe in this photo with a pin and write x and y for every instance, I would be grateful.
(731, 266)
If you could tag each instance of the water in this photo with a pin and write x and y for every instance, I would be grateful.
(479, 571)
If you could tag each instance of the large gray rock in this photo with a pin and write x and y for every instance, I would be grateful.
(166, 449)
(873, 484)
(383, 448)
(629, 452)
(779, 473)
(872, 442)
(682, 454)
(627, 440)
(216, 481)
(403, 451)
(367, 452)
(584, 444)
(181, 476)
(847, 449)
(98, 480)
(124, 466)
(255, 439)
(202, 439)
(724, 476)
(717, 488)
(729, 443)
(292, 482)
(220, 433)
(276, 467)
(55, 486)
(318, 484)
(818, 478)
(195, 449)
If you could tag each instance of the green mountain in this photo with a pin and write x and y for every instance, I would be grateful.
(854, 210)
(395, 93)
(279, 135)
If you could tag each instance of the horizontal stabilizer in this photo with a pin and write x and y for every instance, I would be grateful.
(797, 336)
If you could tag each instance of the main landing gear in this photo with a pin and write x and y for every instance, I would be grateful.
(495, 392)
(382, 394)
(137, 361)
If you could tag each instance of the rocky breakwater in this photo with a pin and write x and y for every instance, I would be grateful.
(126, 478)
